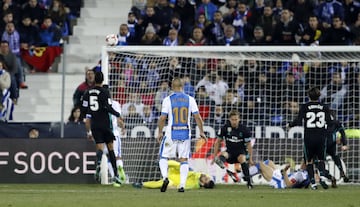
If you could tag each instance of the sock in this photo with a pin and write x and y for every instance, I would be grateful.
(111, 170)
(113, 162)
(337, 161)
(310, 170)
(163, 164)
(222, 158)
(245, 169)
(99, 154)
(184, 170)
(119, 163)
(253, 170)
(322, 171)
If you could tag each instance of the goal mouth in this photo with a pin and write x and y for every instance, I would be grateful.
(266, 84)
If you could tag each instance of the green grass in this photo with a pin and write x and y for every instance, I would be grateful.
(63, 195)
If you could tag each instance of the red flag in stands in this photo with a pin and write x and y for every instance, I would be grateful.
(41, 58)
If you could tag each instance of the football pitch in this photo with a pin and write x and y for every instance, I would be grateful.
(93, 195)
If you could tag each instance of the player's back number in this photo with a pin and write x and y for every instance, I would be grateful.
(315, 120)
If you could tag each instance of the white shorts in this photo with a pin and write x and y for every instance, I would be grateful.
(169, 148)
(117, 146)
(277, 180)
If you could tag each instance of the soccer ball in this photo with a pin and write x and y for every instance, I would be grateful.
(111, 39)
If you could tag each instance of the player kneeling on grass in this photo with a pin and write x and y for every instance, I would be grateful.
(238, 145)
(195, 180)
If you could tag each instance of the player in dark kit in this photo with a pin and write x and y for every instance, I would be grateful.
(315, 117)
(237, 138)
(97, 104)
(332, 142)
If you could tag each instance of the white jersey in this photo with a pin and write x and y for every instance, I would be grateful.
(116, 106)
(297, 177)
(179, 107)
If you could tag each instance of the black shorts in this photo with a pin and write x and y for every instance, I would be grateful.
(314, 149)
(103, 135)
(234, 154)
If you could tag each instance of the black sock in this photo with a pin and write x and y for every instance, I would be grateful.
(323, 172)
(245, 169)
(337, 161)
(310, 170)
(99, 154)
(222, 158)
(113, 162)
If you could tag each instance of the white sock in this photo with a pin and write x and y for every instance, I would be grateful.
(184, 170)
(111, 170)
(119, 163)
(163, 164)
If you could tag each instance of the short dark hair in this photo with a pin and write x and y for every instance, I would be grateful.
(234, 113)
(99, 77)
(209, 185)
(314, 93)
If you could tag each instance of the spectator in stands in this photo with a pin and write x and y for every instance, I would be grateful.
(5, 79)
(87, 84)
(175, 69)
(50, 33)
(125, 37)
(290, 111)
(302, 9)
(353, 99)
(12, 36)
(11, 6)
(215, 86)
(197, 38)
(60, 16)
(227, 71)
(34, 10)
(315, 75)
(6, 104)
(75, 116)
(351, 11)
(177, 25)
(33, 133)
(189, 89)
(138, 7)
(150, 37)
(150, 17)
(173, 39)
(214, 32)
(207, 8)
(278, 9)
(241, 88)
(258, 37)
(334, 93)
(355, 30)
(291, 90)
(149, 118)
(132, 118)
(286, 29)
(13, 68)
(205, 104)
(312, 32)
(164, 13)
(6, 18)
(326, 10)
(243, 27)
(267, 21)
(337, 34)
(28, 33)
(295, 67)
(134, 28)
(217, 118)
(161, 94)
(228, 9)
(134, 99)
(231, 102)
(202, 22)
(230, 38)
(152, 76)
(186, 12)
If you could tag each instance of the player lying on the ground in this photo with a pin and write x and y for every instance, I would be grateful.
(277, 178)
(195, 180)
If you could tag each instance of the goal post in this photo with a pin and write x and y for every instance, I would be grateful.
(265, 83)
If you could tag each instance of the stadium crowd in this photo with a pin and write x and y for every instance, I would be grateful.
(31, 32)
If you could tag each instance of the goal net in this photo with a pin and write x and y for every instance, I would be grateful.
(266, 84)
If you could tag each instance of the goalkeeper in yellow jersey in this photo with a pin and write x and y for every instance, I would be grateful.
(195, 180)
